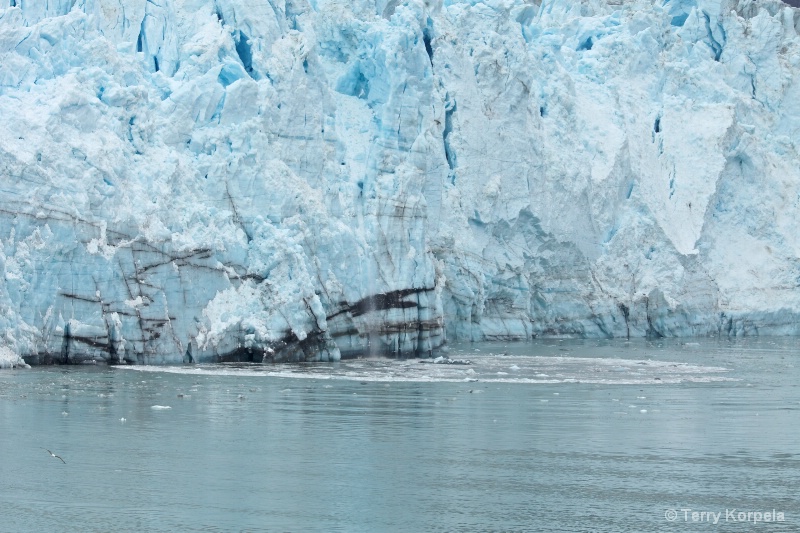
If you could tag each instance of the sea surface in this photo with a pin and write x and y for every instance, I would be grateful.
(670, 435)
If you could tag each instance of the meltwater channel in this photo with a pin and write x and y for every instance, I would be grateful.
(548, 436)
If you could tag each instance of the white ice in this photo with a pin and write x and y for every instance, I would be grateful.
(188, 180)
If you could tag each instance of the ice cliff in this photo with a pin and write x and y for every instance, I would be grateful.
(309, 179)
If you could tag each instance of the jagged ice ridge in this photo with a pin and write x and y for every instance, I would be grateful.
(309, 179)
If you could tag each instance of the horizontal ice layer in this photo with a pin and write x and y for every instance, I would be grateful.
(206, 180)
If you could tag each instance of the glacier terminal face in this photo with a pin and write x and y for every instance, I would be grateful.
(305, 180)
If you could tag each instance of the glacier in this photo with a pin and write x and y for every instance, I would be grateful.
(306, 180)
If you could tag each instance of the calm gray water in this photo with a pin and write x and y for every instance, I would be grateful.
(554, 436)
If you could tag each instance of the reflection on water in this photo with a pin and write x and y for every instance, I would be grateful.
(554, 436)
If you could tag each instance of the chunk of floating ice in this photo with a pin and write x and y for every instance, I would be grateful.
(540, 375)
(447, 361)
(513, 367)
(160, 407)
(643, 410)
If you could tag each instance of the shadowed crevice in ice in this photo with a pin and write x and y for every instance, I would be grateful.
(244, 51)
(449, 152)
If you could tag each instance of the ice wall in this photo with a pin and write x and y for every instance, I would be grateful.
(191, 180)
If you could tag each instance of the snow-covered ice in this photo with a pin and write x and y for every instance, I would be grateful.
(197, 180)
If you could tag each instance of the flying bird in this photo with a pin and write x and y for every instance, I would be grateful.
(54, 455)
